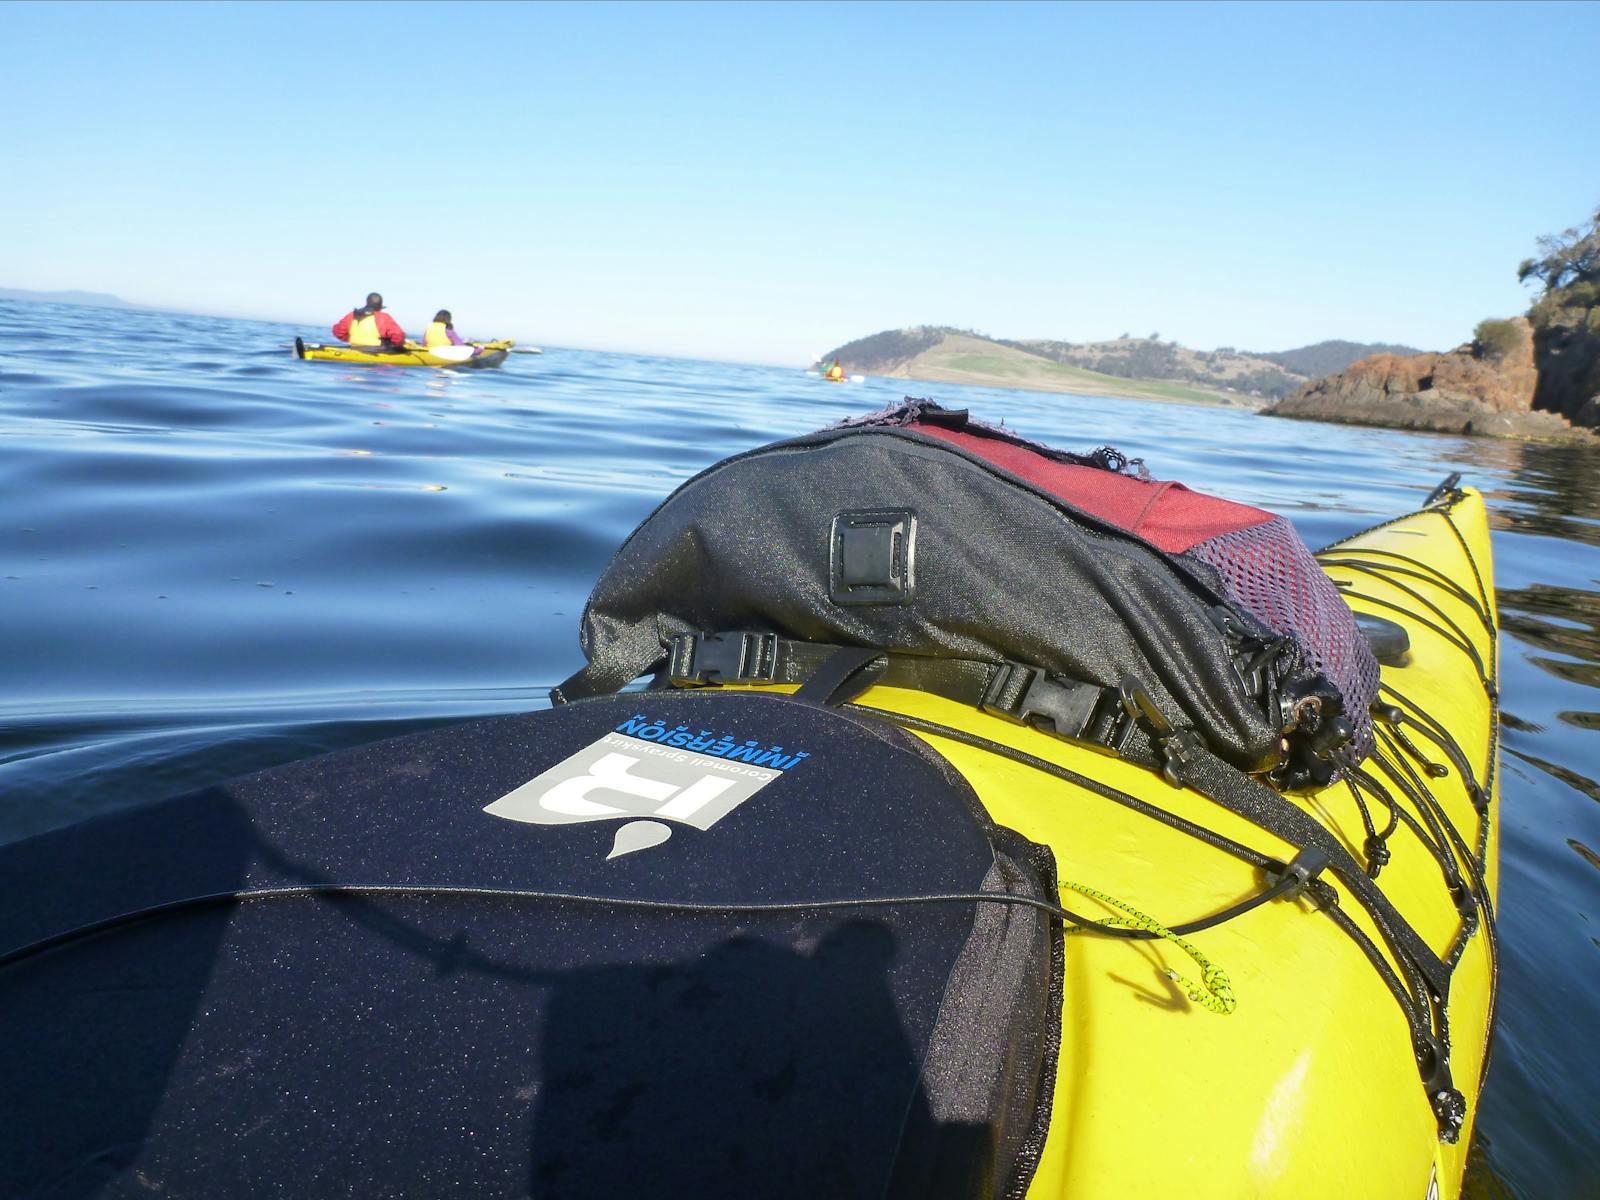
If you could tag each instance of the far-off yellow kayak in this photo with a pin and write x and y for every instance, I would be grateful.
(482, 354)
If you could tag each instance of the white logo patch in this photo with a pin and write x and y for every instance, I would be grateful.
(626, 777)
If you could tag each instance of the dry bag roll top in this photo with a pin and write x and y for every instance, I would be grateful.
(1066, 591)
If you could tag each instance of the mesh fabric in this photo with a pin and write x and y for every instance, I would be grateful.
(1271, 573)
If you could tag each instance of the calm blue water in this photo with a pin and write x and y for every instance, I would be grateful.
(214, 558)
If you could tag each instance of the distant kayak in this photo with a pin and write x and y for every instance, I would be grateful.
(412, 355)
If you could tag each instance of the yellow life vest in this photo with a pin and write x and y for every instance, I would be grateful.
(835, 372)
(364, 332)
(438, 335)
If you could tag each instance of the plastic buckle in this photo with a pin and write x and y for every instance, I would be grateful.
(1254, 667)
(1080, 712)
(700, 659)
(1008, 691)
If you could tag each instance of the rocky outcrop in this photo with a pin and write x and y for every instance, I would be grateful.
(1469, 390)
(1568, 356)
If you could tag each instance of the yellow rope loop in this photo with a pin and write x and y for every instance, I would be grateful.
(1214, 992)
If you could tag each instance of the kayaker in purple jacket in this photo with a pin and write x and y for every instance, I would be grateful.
(443, 331)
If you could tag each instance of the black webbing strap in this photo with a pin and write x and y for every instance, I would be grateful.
(1186, 761)
(1268, 810)
(605, 676)
(1214, 779)
(1104, 718)
(847, 672)
(1082, 712)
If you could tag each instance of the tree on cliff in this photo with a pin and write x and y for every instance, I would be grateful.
(1569, 269)
(1566, 322)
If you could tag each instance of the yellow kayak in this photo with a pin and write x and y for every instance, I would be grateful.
(478, 354)
(718, 940)
(1309, 1087)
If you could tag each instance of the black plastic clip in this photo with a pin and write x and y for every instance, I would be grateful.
(1478, 796)
(1081, 712)
(1138, 704)
(1178, 748)
(710, 659)
(1256, 671)
(1302, 874)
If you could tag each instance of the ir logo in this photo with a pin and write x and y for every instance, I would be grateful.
(645, 785)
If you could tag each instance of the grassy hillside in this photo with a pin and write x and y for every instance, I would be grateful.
(1125, 366)
(1151, 358)
(969, 359)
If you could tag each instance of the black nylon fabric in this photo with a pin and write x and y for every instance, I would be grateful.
(1001, 571)
(487, 1046)
(1013, 952)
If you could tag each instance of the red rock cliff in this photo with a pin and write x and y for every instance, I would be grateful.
(1468, 390)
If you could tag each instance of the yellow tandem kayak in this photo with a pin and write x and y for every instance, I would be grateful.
(481, 354)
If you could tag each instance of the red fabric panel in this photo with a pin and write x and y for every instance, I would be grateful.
(389, 329)
(1166, 514)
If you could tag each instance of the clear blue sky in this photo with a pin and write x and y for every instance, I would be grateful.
(764, 182)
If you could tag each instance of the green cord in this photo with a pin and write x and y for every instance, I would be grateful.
(1214, 992)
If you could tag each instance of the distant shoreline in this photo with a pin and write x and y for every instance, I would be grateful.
(978, 362)
(1076, 384)
(71, 296)
(1144, 368)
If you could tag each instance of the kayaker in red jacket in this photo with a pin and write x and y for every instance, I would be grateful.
(369, 325)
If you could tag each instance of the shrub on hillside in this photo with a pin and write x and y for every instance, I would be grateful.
(1495, 338)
